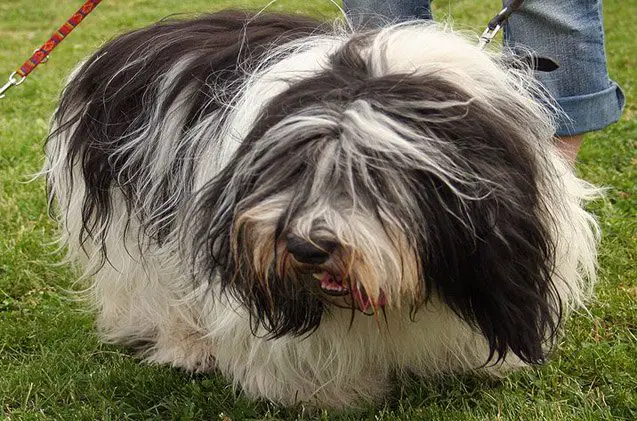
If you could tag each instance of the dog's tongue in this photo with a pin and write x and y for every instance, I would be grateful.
(365, 303)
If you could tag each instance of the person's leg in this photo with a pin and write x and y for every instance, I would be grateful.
(570, 146)
(372, 13)
(570, 32)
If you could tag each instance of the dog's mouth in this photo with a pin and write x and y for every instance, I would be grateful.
(335, 286)
(331, 284)
(367, 304)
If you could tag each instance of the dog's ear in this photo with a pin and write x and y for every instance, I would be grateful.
(494, 269)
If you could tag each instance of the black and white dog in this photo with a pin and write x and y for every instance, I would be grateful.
(314, 211)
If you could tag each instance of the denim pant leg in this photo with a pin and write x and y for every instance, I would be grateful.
(570, 32)
(378, 12)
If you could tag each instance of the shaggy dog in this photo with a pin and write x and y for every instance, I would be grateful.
(314, 211)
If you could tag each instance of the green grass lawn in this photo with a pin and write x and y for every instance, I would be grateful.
(52, 365)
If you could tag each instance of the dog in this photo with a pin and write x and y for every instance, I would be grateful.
(315, 211)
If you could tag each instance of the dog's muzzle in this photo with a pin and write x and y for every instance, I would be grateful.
(316, 257)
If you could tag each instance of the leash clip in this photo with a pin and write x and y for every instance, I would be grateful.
(488, 35)
(13, 81)
(498, 21)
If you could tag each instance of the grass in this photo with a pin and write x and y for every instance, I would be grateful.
(52, 366)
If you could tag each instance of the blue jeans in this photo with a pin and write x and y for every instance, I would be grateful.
(567, 31)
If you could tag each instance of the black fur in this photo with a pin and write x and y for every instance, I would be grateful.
(116, 97)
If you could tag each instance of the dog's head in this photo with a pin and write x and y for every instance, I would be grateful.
(412, 165)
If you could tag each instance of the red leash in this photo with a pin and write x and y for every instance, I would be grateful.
(41, 54)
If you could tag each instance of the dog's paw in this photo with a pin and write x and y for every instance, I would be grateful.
(192, 355)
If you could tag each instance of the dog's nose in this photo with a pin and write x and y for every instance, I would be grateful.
(315, 252)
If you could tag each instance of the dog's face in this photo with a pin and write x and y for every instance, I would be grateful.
(396, 174)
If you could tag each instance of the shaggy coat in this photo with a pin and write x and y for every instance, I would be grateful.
(313, 211)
